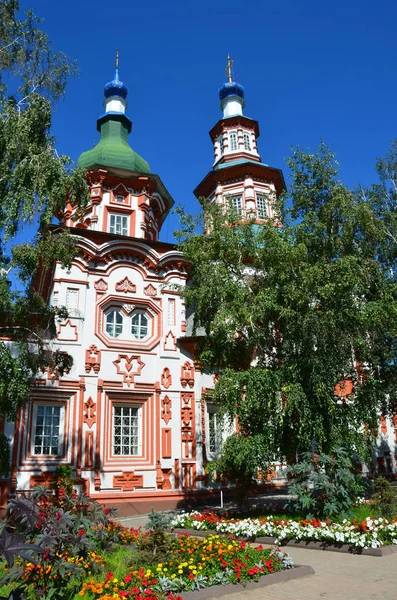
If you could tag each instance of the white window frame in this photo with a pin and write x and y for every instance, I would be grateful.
(114, 323)
(265, 202)
(214, 417)
(139, 314)
(61, 428)
(247, 141)
(126, 325)
(118, 224)
(138, 409)
(233, 200)
(233, 141)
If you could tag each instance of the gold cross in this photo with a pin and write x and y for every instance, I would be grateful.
(228, 69)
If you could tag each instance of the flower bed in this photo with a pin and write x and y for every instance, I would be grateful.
(192, 564)
(66, 546)
(369, 533)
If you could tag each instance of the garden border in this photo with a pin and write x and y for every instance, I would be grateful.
(215, 591)
(346, 548)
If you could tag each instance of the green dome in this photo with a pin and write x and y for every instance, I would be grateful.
(113, 149)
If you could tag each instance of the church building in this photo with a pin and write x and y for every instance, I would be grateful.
(133, 417)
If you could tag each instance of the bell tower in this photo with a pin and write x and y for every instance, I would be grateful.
(239, 179)
(127, 199)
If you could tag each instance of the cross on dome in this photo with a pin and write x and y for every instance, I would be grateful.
(116, 88)
(231, 93)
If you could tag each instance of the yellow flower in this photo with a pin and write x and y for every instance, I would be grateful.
(180, 571)
(115, 580)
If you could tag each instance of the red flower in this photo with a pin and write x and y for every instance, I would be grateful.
(191, 576)
(81, 532)
(224, 564)
(127, 578)
(135, 590)
(109, 575)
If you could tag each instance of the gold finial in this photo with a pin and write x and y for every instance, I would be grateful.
(228, 69)
(117, 59)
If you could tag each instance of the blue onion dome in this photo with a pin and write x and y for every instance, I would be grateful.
(116, 87)
(231, 88)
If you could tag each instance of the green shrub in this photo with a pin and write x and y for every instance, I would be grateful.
(385, 497)
(323, 485)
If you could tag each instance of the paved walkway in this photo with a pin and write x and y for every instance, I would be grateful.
(337, 576)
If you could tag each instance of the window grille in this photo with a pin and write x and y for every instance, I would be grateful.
(233, 141)
(247, 142)
(261, 204)
(47, 425)
(125, 430)
(118, 224)
(139, 326)
(114, 323)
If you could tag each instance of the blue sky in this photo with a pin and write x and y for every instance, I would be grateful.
(311, 70)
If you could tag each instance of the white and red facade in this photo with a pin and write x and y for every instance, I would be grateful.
(132, 417)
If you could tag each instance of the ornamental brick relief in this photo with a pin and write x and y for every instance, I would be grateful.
(128, 481)
(166, 378)
(67, 332)
(166, 406)
(89, 415)
(188, 425)
(150, 290)
(170, 342)
(187, 375)
(100, 285)
(125, 285)
(128, 367)
(92, 359)
(163, 477)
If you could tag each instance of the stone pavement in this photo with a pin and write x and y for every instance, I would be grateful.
(337, 576)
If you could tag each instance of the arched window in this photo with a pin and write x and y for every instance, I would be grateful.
(114, 323)
(247, 142)
(233, 141)
(139, 326)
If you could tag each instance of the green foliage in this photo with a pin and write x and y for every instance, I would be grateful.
(63, 481)
(48, 538)
(385, 497)
(323, 485)
(35, 182)
(156, 541)
(288, 312)
(4, 455)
